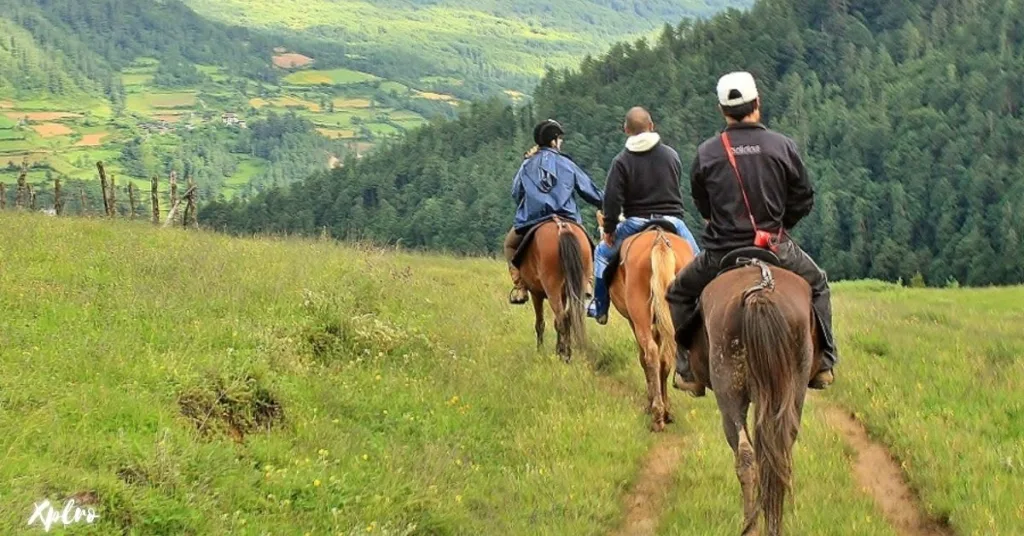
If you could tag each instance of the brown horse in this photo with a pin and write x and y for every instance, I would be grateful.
(556, 267)
(759, 332)
(649, 261)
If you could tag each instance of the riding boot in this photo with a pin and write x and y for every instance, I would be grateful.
(598, 308)
(518, 296)
(684, 379)
(823, 311)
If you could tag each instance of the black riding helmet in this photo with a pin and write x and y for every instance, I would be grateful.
(546, 131)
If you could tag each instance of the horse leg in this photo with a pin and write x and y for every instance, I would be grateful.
(563, 346)
(649, 361)
(666, 357)
(538, 311)
(733, 407)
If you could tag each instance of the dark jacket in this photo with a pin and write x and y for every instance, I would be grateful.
(544, 187)
(776, 183)
(643, 180)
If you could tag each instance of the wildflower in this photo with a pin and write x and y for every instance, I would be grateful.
(458, 498)
(366, 457)
(316, 483)
(323, 452)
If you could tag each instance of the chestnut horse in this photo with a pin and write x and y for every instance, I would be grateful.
(649, 261)
(759, 331)
(556, 267)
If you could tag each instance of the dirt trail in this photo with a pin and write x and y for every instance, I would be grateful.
(875, 470)
(646, 501)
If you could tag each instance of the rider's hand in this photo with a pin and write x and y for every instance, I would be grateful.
(608, 238)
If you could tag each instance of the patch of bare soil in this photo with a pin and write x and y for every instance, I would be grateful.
(877, 472)
(646, 501)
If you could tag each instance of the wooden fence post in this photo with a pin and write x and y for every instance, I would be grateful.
(58, 203)
(3, 196)
(156, 200)
(174, 192)
(85, 207)
(191, 219)
(20, 199)
(103, 185)
(113, 198)
(32, 198)
(131, 199)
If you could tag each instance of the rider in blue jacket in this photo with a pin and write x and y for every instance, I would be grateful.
(543, 188)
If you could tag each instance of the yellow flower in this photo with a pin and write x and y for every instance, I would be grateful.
(323, 452)
(378, 378)
(458, 498)
(316, 483)
(366, 456)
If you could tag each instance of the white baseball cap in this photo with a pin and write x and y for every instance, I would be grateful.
(736, 88)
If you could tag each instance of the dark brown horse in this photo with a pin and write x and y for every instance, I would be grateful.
(556, 267)
(648, 263)
(759, 333)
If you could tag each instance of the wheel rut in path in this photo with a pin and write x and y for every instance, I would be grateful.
(646, 501)
(875, 470)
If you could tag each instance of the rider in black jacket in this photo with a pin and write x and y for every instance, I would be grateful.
(779, 194)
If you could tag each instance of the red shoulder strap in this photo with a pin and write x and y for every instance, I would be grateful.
(736, 171)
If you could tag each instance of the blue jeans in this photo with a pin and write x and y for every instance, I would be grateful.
(603, 254)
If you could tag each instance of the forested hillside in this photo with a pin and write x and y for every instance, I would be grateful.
(909, 114)
(471, 49)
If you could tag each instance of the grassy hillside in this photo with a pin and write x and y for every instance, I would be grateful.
(495, 42)
(194, 383)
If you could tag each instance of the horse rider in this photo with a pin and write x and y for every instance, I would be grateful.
(779, 196)
(543, 188)
(642, 185)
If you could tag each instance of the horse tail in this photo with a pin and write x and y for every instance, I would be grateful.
(663, 269)
(766, 336)
(570, 256)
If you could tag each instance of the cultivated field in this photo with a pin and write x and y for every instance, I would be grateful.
(332, 77)
(67, 137)
(304, 387)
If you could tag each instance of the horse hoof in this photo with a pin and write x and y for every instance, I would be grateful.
(669, 419)
(658, 426)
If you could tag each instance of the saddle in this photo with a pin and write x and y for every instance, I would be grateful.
(745, 256)
(524, 246)
(616, 259)
(737, 258)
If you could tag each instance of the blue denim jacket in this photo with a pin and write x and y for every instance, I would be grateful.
(544, 187)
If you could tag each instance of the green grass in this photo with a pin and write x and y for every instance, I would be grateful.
(246, 171)
(6, 123)
(150, 102)
(383, 129)
(391, 86)
(938, 376)
(12, 146)
(394, 414)
(11, 135)
(136, 79)
(332, 77)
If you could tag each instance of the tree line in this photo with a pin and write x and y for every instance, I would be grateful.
(909, 115)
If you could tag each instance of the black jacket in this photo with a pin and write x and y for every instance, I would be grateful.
(776, 182)
(643, 182)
